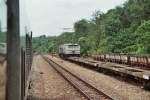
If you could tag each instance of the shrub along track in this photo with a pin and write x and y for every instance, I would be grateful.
(89, 91)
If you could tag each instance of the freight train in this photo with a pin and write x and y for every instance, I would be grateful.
(70, 49)
(129, 59)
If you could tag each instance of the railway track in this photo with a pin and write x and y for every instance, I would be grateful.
(89, 91)
(132, 75)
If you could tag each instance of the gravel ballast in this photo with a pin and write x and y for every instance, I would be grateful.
(47, 83)
(119, 90)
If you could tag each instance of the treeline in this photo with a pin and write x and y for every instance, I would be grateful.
(125, 29)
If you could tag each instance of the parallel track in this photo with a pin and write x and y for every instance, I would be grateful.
(89, 91)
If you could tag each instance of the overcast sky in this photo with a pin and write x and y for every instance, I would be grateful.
(3, 15)
(49, 17)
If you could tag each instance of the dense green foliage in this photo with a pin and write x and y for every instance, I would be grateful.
(125, 29)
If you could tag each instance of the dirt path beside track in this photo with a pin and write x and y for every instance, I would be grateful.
(47, 83)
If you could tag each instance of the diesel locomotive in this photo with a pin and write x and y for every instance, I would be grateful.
(68, 50)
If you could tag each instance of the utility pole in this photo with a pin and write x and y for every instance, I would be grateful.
(13, 86)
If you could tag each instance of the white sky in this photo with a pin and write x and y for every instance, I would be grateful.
(3, 15)
(49, 17)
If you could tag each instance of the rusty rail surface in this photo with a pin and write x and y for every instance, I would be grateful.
(89, 91)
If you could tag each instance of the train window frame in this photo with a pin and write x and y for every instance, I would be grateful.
(73, 46)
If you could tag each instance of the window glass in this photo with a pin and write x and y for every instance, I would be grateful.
(3, 47)
(24, 23)
(3, 27)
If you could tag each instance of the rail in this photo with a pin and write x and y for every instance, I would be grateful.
(89, 91)
(140, 76)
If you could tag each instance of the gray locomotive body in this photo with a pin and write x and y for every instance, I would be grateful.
(67, 50)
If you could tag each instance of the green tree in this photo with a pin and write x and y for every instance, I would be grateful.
(124, 29)
(143, 37)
